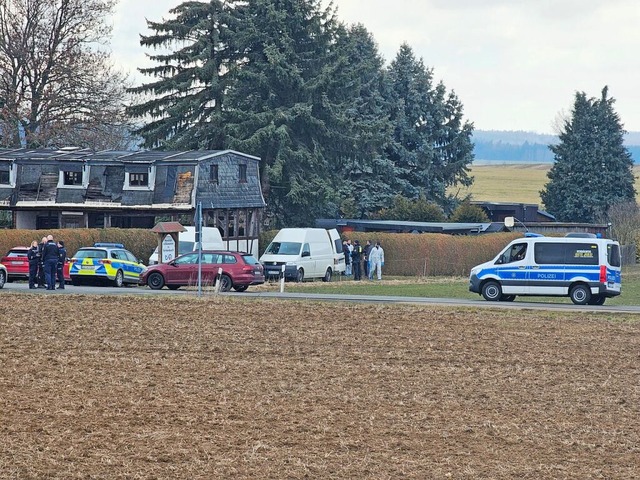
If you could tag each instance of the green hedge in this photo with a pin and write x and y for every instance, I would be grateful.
(140, 242)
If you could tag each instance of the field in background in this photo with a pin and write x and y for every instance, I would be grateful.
(512, 183)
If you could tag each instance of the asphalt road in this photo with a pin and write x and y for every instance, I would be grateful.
(21, 287)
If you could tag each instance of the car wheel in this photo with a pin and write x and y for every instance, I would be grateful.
(240, 288)
(507, 298)
(300, 276)
(491, 291)
(327, 275)
(597, 300)
(580, 294)
(225, 283)
(155, 281)
(173, 287)
(119, 280)
(3, 278)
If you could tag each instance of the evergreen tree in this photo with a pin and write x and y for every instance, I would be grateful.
(431, 146)
(467, 213)
(188, 96)
(593, 170)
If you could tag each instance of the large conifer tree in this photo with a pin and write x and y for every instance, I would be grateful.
(593, 170)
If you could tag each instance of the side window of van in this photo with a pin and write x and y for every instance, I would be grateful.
(548, 253)
(566, 254)
(516, 253)
(582, 254)
(306, 251)
(613, 255)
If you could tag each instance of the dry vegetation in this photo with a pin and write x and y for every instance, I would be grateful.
(241, 388)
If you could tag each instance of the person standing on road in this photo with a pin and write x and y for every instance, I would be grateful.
(50, 255)
(347, 248)
(377, 261)
(42, 283)
(33, 255)
(62, 258)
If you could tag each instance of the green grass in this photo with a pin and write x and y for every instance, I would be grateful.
(447, 287)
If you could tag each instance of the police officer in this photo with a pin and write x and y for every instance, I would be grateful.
(33, 255)
(50, 256)
(62, 258)
(356, 257)
(41, 276)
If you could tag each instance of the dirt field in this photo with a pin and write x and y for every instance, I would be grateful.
(182, 388)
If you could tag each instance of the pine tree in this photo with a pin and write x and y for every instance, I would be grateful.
(593, 170)
(431, 147)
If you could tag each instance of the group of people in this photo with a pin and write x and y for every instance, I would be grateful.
(46, 263)
(371, 256)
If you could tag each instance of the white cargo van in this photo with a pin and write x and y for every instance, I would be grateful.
(305, 253)
(211, 240)
(587, 270)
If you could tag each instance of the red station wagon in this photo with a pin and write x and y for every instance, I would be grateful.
(239, 270)
(16, 263)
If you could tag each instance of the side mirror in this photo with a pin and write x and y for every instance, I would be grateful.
(501, 259)
(306, 254)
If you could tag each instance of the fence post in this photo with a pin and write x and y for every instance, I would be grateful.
(282, 280)
(217, 289)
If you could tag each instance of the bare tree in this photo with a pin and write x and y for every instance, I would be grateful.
(56, 86)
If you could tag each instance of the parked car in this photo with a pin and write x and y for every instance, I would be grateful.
(16, 263)
(3, 275)
(108, 262)
(239, 271)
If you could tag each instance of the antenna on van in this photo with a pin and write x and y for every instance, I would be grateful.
(510, 222)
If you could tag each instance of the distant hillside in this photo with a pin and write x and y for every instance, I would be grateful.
(528, 147)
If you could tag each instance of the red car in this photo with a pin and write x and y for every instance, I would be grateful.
(17, 265)
(239, 270)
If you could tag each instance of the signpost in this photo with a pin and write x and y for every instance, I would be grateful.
(168, 249)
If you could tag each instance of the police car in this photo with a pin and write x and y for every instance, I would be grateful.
(108, 262)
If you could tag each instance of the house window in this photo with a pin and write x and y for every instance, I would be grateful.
(72, 178)
(213, 174)
(138, 179)
(242, 173)
(5, 177)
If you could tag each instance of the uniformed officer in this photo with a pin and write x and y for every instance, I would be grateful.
(62, 258)
(33, 255)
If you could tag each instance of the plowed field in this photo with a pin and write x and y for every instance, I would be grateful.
(186, 388)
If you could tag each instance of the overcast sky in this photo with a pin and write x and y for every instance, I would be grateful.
(515, 65)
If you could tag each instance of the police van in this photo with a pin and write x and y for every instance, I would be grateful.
(586, 269)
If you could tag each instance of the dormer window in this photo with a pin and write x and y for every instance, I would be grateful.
(242, 173)
(213, 174)
(73, 175)
(139, 179)
(71, 178)
(5, 175)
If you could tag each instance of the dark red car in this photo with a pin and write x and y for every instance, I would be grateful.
(239, 270)
(17, 264)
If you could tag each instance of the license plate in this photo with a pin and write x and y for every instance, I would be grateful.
(273, 272)
(17, 263)
(87, 267)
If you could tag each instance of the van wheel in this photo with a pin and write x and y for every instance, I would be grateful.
(491, 291)
(327, 276)
(580, 294)
(597, 300)
(507, 298)
(300, 276)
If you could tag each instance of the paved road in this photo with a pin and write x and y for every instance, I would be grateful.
(19, 287)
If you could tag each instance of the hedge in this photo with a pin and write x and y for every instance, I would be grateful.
(140, 242)
(426, 254)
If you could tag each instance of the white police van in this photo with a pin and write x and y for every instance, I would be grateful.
(586, 269)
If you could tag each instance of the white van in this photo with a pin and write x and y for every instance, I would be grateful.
(305, 253)
(587, 270)
(211, 240)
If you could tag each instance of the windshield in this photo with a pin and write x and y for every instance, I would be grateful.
(284, 248)
(185, 247)
(91, 254)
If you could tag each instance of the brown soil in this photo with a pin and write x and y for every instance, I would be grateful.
(182, 388)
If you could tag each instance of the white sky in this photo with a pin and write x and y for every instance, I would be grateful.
(515, 65)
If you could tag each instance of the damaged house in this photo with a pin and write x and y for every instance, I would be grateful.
(74, 188)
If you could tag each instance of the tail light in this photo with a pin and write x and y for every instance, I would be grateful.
(248, 268)
(105, 262)
(603, 274)
(72, 260)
